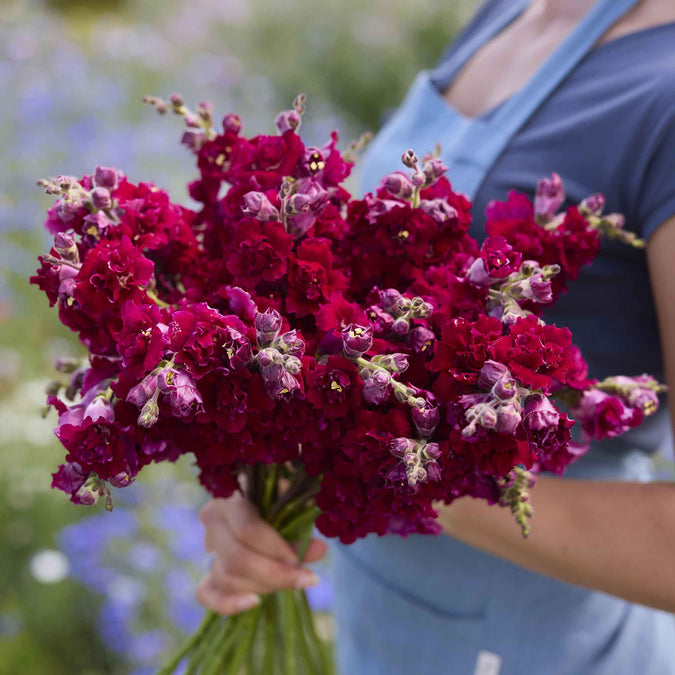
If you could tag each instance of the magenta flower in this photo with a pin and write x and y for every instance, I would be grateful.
(549, 197)
(357, 340)
(180, 391)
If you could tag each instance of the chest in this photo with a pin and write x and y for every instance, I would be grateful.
(503, 66)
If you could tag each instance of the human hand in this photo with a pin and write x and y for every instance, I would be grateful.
(250, 557)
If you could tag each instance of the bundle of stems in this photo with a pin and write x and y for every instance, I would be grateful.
(278, 636)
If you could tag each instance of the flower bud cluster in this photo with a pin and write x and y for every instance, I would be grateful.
(407, 187)
(611, 225)
(75, 197)
(177, 388)
(303, 199)
(531, 282)
(419, 458)
(199, 124)
(289, 120)
(514, 493)
(615, 405)
(548, 199)
(637, 392)
(394, 313)
(279, 355)
(499, 409)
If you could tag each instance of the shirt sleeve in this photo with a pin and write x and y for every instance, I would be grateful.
(656, 196)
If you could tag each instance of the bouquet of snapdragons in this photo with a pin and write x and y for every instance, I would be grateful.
(347, 363)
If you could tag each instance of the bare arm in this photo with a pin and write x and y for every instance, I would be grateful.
(614, 537)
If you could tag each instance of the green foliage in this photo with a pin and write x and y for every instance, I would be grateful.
(358, 58)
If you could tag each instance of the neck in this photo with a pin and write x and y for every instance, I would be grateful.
(566, 8)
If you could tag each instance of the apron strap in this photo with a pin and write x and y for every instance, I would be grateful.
(479, 144)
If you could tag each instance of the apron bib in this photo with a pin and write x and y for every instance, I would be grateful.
(431, 604)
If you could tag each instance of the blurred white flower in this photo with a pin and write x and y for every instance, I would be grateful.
(49, 567)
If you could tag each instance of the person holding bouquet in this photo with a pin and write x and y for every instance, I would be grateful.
(585, 89)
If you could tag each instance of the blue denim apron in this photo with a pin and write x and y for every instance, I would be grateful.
(431, 605)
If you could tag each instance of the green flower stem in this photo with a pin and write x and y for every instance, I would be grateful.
(300, 484)
(153, 296)
(294, 528)
(270, 489)
(311, 652)
(270, 634)
(325, 657)
(249, 622)
(207, 646)
(290, 631)
(221, 649)
(210, 618)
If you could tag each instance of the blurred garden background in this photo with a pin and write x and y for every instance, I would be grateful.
(83, 591)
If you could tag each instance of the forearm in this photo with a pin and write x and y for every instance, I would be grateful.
(614, 537)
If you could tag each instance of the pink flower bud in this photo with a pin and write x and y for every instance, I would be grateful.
(426, 420)
(539, 413)
(297, 203)
(504, 389)
(491, 373)
(232, 123)
(144, 390)
(432, 451)
(181, 392)
(549, 197)
(508, 419)
(593, 205)
(205, 110)
(540, 289)
(268, 357)
(283, 387)
(421, 340)
(267, 326)
(420, 308)
(192, 121)
(100, 410)
(149, 414)
(64, 182)
(439, 210)
(65, 246)
(412, 459)
(381, 320)
(380, 378)
(400, 327)
(400, 447)
(399, 185)
(100, 198)
(67, 208)
(477, 273)
(433, 471)
(194, 140)
(409, 159)
(288, 120)
(258, 206)
(357, 339)
(292, 364)
(433, 170)
(389, 298)
(105, 177)
(418, 179)
(291, 343)
(416, 475)
(394, 363)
